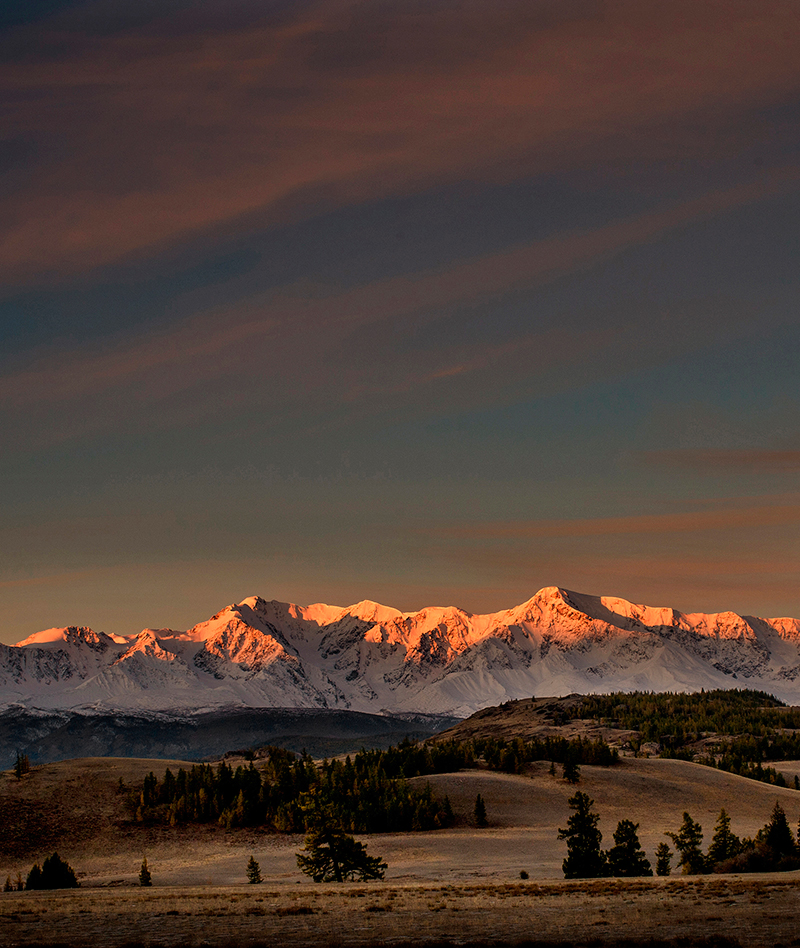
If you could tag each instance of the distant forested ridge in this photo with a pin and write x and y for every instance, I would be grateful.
(677, 719)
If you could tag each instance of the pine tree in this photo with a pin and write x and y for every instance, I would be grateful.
(253, 871)
(687, 842)
(724, 844)
(145, 876)
(34, 880)
(9, 886)
(626, 858)
(329, 854)
(57, 874)
(571, 771)
(552, 770)
(777, 834)
(480, 812)
(22, 765)
(584, 859)
(663, 860)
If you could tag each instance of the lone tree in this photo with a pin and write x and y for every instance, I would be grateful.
(687, 842)
(480, 812)
(663, 860)
(724, 844)
(253, 871)
(626, 858)
(571, 771)
(329, 854)
(145, 878)
(584, 859)
(22, 765)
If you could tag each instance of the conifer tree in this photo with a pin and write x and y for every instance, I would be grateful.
(585, 860)
(253, 871)
(724, 844)
(663, 860)
(480, 812)
(57, 874)
(22, 765)
(687, 842)
(34, 880)
(626, 858)
(145, 876)
(9, 886)
(777, 834)
(571, 771)
(329, 854)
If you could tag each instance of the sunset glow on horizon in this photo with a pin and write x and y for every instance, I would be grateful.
(427, 304)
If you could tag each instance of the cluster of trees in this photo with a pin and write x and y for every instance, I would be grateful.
(369, 793)
(678, 719)
(54, 873)
(585, 859)
(774, 847)
(365, 794)
(509, 756)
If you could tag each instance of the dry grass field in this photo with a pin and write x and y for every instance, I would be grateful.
(460, 885)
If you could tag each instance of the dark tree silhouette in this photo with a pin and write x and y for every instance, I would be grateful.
(584, 859)
(145, 877)
(329, 854)
(777, 834)
(571, 771)
(626, 858)
(54, 873)
(22, 765)
(687, 842)
(724, 843)
(480, 812)
(663, 860)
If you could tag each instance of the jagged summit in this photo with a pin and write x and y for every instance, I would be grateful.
(372, 657)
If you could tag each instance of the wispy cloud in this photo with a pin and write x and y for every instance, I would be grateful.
(715, 461)
(274, 348)
(652, 524)
(149, 136)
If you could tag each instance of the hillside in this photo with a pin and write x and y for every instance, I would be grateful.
(77, 808)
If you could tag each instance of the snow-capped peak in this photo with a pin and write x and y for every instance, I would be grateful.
(371, 657)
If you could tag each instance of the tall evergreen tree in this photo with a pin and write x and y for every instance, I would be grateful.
(585, 860)
(626, 858)
(724, 844)
(480, 812)
(777, 834)
(663, 860)
(571, 771)
(687, 842)
(145, 876)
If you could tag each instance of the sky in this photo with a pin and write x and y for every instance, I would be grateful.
(429, 303)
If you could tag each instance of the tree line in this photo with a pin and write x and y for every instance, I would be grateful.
(773, 848)
(369, 793)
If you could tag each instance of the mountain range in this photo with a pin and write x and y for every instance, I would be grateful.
(372, 658)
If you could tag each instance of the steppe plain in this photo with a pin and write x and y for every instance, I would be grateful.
(454, 886)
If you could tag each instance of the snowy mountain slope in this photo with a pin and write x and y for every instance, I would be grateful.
(369, 657)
